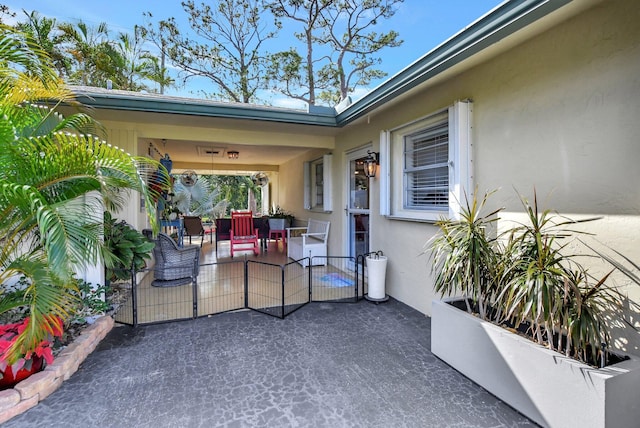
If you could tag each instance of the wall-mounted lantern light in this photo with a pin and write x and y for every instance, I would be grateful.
(371, 163)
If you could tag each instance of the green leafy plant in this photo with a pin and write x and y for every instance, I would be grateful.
(278, 212)
(465, 257)
(546, 286)
(57, 173)
(526, 277)
(126, 248)
(91, 301)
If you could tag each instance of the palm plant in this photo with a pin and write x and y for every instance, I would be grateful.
(133, 62)
(91, 51)
(46, 34)
(199, 199)
(56, 179)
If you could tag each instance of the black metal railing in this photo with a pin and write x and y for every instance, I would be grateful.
(273, 289)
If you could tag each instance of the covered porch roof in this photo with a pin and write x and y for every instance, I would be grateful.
(269, 136)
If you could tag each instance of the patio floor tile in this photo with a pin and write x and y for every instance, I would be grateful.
(326, 365)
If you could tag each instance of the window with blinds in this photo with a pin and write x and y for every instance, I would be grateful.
(426, 168)
(426, 165)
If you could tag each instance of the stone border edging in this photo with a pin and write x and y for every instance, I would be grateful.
(29, 392)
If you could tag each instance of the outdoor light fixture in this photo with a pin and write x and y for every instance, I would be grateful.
(371, 163)
(233, 154)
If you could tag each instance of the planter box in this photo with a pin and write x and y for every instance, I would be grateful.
(278, 223)
(547, 387)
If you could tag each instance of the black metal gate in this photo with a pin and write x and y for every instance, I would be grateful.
(273, 289)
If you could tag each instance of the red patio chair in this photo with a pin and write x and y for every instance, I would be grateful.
(243, 233)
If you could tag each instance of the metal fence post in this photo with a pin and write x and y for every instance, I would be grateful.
(134, 295)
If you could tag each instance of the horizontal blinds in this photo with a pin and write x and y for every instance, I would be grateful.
(426, 168)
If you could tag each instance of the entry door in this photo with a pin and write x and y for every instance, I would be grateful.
(357, 209)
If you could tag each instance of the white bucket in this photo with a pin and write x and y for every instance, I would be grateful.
(377, 269)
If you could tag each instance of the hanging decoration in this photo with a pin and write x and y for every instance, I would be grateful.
(260, 179)
(188, 178)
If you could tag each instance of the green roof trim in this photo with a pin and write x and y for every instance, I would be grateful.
(155, 103)
(496, 25)
(501, 22)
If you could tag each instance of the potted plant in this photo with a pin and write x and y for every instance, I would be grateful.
(170, 212)
(32, 360)
(279, 219)
(529, 324)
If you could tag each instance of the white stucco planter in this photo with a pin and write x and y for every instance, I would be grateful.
(547, 387)
(278, 223)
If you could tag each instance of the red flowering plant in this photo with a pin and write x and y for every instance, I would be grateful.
(9, 338)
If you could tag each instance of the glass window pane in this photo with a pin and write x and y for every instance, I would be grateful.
(426, 168)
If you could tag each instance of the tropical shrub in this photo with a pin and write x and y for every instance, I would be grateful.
(526, 278)
(465, 257)
(127, 248)
(91, 302)
(56, 175)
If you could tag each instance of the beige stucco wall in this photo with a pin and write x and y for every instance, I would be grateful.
(560, 114)
(291, 193)
(127, 140)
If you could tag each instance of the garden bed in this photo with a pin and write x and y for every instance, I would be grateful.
(29, 392)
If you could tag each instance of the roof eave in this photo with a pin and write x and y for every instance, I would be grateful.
(187, 106)
(489, 29)
(501, 22)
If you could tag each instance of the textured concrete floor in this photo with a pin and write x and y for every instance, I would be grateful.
(326, 365)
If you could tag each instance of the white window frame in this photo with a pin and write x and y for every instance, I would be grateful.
(392, 192)
(311, 200)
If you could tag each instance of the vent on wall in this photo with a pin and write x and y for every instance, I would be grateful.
(209, 151)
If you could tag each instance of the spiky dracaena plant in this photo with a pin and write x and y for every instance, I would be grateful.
(463, 254)
(56, 178)
(546, 287)
(527, 275)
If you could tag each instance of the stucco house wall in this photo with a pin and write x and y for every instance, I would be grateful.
(554, 109)
(558, 113)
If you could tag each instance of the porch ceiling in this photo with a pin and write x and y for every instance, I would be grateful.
(190, 139)
(198, 156)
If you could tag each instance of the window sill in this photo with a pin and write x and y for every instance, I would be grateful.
(413, 219)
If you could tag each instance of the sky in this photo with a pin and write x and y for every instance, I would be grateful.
(422, 24)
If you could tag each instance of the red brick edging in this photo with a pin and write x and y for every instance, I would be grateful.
(37, 387)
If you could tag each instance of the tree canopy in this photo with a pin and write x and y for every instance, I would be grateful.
(340, 47)
(231, 44)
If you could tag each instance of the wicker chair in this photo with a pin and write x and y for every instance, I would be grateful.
(174, 265)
